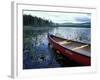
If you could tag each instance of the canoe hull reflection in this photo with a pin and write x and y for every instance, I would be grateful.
(76, 51)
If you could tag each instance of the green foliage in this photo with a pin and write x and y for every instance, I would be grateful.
(36, 21)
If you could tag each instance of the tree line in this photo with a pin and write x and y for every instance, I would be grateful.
(29, 20)
(36, 21)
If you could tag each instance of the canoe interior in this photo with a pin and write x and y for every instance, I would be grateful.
(81, 48)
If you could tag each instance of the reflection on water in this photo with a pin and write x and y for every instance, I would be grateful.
(76, 34)
(36, 52)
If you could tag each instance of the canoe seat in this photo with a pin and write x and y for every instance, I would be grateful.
(64, 42)
(83, 46)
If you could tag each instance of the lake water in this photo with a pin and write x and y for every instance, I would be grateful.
(37, 53)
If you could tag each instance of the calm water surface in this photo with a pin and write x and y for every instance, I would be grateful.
(37, 53)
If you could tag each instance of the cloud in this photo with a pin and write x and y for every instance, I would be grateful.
(59, 17)
(83, 19)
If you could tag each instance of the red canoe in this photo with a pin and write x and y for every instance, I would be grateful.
(76, 51)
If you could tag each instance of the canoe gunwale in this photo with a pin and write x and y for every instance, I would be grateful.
(67, 48)
(69, 39)
(79, 58)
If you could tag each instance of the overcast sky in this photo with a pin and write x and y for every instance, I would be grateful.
(59, 17)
